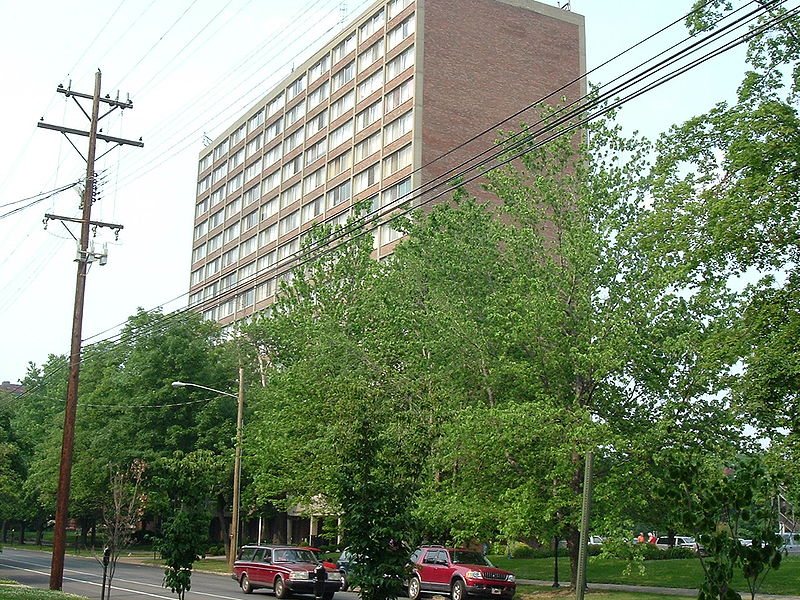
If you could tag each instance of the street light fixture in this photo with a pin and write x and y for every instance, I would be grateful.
(237, 465)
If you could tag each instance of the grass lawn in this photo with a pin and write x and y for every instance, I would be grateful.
(679, 573)
(529, 592)
(10, 590)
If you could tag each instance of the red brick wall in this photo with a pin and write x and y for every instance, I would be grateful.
(483, 61)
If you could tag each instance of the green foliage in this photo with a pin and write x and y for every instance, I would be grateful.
(183, 542)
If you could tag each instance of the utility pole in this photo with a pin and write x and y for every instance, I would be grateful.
(237, 473)
(85, 256)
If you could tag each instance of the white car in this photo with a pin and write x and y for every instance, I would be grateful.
(791, 543)
(680, 541)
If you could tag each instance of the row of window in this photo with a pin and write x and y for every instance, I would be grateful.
(344, 75)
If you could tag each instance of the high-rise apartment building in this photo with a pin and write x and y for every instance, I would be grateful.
(371, 116)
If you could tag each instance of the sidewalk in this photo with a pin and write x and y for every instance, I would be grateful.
(651, 589)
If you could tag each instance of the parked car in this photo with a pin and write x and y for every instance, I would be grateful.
(345, 564)
(678, 541)
(459, 573)
(318, 554)
(791, 543)
(283, 569)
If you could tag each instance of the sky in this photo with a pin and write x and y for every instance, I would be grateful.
(191, 67)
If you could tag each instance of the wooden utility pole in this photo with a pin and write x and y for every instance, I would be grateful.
(84, 257)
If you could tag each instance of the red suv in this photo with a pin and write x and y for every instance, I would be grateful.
(285, 570)
(458, 572)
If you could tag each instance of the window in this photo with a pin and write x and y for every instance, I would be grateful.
(231, 232)
(343, 76)
(367, 147)
(247, 271)
(226, 309)
(317, 96)
(220, 150)
(401, 32)
(248, 247)
(235, 183)
(342, 105)
(297, 86)
(265, 290)
(389, 234)
(269, 208)
(219, 173)
(251, 195)
(397, 128)
(212, 267)
(396, 192)
(252, 171)
(370, 85)
(293, 114)
(233, 207)
(215, 220)
(254, 145)
(293, 141)
(395, 7)
(372, 25)
(399, 95)
(196, 298)
(341, 193)
(288, 249)
(214, 243)
(368, 116)
(316, 124)
(203, 184)
(201, 207)
(370, 55)
(266, 261)
(272, 156)
(270, 182)
(205, 162)
(200, 230)
(397, 160)
(271, 132)
(228, 281)
(313, 209)
(275, 105)
(400, 63)
(314, 180)
(340, 164)
(291, 195)
(343, 48)
(367, 177)
(255, 121)
(320, 67)
(235, 160)
(316, 151)
(289, 223)
(246, 299)
(249, 221)
(340, 135)
(199, 253)
(292, 167)
(268, 235)
(230, 257)
(237, 136)
(217, 197)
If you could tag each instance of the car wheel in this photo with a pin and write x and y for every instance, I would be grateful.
(245, 584)
(280, 588)
(345, 583)
(328, 595)
(458, 591)
(413, 588)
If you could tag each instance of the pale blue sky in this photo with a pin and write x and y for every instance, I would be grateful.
(168, 56)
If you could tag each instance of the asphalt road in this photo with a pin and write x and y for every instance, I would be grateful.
(83, 576)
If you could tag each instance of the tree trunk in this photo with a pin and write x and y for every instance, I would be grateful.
(39, 530)
(4, 531)
(573, 537)
(22, 525)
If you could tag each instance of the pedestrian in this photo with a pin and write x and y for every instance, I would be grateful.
(651, 538)
(640, 538)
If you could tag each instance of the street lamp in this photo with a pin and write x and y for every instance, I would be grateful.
(237, 465)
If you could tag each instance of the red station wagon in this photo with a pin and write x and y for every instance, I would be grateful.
(459, 573)
(284, 569)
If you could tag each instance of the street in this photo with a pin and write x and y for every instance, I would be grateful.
(83, 576)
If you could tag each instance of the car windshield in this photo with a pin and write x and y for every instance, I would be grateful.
(468, 557)
(294, 555)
